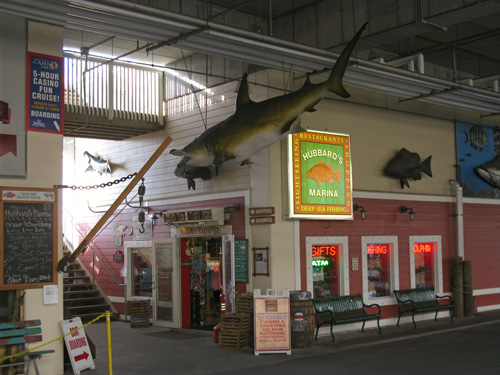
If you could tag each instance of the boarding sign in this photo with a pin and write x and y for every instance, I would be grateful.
(45, 90)
(272, 322)
(77, 345)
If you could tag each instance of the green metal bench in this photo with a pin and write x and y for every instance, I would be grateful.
(16, 333)
(342, 310)
(421, 300)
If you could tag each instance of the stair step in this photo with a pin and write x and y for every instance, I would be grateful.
(83, 299)
(76, 270)
(88, 291)
(70, 278)
(89, 307)
(79, 285)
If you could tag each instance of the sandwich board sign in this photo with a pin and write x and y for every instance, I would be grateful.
(272, 322)
(77, 345)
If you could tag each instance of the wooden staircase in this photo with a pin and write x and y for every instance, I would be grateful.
(82, 298)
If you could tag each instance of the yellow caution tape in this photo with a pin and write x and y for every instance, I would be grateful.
(51, 341)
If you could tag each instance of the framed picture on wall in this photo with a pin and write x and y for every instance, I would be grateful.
(260, 261)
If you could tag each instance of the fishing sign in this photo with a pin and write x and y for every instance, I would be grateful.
(45, 90)
(319, 175)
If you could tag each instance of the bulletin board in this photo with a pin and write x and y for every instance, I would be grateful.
(28, 237)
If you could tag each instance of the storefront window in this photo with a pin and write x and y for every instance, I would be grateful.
(327, 266)
(380, 267)
(325, 263)
(425, 262)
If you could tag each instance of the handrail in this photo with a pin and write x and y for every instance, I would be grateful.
(94, 255)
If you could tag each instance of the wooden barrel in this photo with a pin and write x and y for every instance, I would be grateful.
(302, 321)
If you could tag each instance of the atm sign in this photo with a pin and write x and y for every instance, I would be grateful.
(321, 262)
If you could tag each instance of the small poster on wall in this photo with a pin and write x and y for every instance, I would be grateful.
(45, 94)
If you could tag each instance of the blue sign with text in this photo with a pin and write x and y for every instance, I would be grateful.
(45, 94)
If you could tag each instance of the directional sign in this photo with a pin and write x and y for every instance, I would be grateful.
(255, 211)
(262, 220)
(77, 345)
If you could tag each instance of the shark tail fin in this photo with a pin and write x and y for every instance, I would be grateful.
(335, 79)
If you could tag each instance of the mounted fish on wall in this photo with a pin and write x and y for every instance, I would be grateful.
(97, 164)
(406, 165)
(256, 126)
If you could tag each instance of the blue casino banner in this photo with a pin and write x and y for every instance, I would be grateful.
(45, 94)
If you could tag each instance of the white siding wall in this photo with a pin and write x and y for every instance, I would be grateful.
(129, 156)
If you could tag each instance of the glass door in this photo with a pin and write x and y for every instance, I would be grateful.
(138, 273)
(228, 271)
(166, 308)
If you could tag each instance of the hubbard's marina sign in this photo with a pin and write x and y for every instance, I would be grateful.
(319, 171)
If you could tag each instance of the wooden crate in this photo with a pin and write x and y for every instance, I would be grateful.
(244, 303)
(235, 331)
(138, 307)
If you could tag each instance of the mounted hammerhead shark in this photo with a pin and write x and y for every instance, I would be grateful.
(256, 126)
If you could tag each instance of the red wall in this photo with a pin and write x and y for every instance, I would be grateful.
(384, 218)
(103, 244)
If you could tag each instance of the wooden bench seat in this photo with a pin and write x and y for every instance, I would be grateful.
(342, 310)
(21, 333)
(421, 300)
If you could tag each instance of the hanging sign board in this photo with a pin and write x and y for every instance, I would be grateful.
(44, 97)
(28, 237)
(272, 322)
(319, 175)
(77, 345)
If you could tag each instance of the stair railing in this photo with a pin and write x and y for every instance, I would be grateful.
(94, 256)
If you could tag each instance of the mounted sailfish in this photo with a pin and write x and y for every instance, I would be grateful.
(255, 126)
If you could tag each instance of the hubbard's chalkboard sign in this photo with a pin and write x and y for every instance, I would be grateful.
(28, 238)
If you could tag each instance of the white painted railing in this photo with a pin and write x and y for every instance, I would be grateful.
(113, 91)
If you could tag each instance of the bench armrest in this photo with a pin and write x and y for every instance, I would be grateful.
(324, 316)
(373, 305)
(407, 301)
(450, 297)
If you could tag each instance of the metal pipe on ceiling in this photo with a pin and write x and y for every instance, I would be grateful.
(255, 48)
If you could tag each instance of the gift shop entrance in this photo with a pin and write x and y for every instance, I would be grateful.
(206, 277)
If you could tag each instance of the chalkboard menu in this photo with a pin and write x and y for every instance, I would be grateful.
(241, 261)
(28, 238)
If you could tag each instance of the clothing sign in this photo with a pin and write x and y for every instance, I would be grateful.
(272, 322)
(45, 94)
(77, 345)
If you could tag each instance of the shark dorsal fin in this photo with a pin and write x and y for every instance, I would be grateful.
(243, 97)
(307, 82)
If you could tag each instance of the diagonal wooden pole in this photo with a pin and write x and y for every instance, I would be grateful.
(66, 260)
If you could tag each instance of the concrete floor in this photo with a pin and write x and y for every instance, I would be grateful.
(468, 346)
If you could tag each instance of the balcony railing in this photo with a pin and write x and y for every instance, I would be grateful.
(113, 90)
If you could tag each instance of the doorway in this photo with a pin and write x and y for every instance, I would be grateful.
(152, 274)
(207, 279)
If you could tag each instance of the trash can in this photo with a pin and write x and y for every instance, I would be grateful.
(302, 319)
